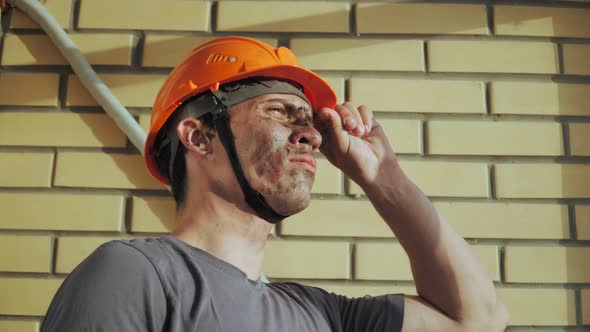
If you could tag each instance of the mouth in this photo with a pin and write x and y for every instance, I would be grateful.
(307, 162)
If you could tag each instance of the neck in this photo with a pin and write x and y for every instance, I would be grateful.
(229, 232)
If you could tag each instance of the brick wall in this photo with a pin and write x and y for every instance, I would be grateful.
(486, 104)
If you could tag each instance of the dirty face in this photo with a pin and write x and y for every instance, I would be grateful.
(275, 140)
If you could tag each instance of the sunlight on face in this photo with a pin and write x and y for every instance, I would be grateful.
(275, 139)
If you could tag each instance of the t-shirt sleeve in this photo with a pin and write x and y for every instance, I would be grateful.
(115, 289)
(368, 313)
(371, 313)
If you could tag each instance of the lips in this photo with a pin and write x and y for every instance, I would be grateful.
(308, 161)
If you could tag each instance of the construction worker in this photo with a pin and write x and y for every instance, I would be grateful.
(233, 132)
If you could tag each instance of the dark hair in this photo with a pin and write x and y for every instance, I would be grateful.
(178, 182)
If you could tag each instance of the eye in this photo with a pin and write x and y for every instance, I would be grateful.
(277, 111)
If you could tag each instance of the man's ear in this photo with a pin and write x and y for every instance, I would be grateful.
(195, 136)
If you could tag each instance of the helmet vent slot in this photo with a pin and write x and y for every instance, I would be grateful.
(219, 58)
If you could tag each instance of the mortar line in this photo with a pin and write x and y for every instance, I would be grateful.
(75, 15)
(578, 306)
(424, 146)
(213, 11)
(560, 60)
(571, 209)
(490, 19)
(137, 50)
(54, 249)
(565, 132)
(352, 272)
(352, 27)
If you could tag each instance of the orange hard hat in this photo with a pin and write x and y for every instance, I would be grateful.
(225, 60)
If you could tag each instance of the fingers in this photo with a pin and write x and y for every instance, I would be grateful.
(329, 123)
(357, 122)
(367, 116)
(350, 118)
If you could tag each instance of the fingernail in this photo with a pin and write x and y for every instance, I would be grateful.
(367, 128)
(360, 130)
(349, 123)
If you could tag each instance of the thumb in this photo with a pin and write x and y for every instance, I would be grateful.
(334, 137)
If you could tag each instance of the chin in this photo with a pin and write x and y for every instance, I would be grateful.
(291, 205)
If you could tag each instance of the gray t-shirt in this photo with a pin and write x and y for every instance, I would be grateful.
(164, 284)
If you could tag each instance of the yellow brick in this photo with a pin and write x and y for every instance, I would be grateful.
(494, 138)
(586, 306)
(583, 222)
(539, 98)
(30, 50)
(145, 15)
(27, 296)
(576, 59)
(419, 96)
(55, 211)
(144, 122)
(337, 218)
(132, 90)
(388, 261)
(59, 9)
(542, 181)
(168, 50)
(153, 214)
(405, 135)
(307, 259)
(71, 251)
(99, 49)
(506, 220)
(542, 21)
(105, 48)
(284, 16)
(539, 306)
(328, 179)
(421, 18)
(29, 89)
(19, 326)
(580, 139)
(337, 84)
(25, 253)
(547, 264)
(360, 289)
(492, 57)
(359, 54)
(102, 170)
(450, 179)
(26, 169)
(60, 129)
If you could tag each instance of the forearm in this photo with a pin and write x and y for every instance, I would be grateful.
(446, 271)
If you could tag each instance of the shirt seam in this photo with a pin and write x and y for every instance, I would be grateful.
(166, 293)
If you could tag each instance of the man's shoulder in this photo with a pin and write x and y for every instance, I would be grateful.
(120, 280)
(139, 253)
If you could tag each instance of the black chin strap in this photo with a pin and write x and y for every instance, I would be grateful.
(253, 197)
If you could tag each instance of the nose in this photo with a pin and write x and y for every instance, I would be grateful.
(306, 135)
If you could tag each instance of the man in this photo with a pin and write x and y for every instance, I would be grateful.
(233, 131)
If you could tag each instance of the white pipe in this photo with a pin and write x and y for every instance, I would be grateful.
(87, 75)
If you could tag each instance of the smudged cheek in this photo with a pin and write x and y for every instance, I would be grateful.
(269, 153)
